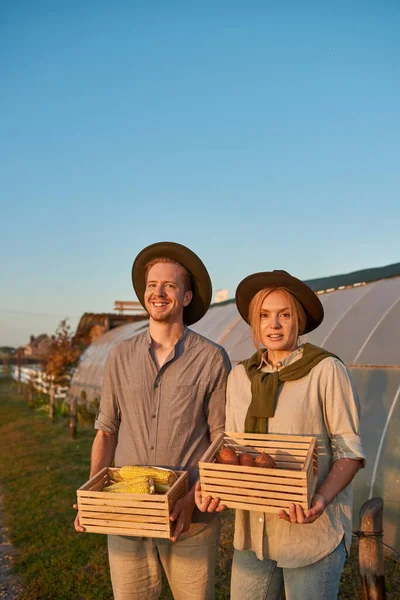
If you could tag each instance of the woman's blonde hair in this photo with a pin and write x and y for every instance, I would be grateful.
(296, 310)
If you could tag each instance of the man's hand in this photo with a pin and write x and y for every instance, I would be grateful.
(182, 514)
(297, 514)
(77, 525)
(207, 504)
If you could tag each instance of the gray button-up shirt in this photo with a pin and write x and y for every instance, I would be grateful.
(164, 417)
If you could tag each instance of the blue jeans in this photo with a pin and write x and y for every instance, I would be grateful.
(254, 579)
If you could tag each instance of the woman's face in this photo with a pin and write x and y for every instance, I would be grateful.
(278, 325)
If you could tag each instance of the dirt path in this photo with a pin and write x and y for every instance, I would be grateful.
(10, 587)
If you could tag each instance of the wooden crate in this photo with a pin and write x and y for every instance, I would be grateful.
(267, 490)
(144, 515)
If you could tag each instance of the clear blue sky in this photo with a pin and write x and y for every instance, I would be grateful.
(262, 134)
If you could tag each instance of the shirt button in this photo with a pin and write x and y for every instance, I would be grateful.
(153, 416)
(260, 519)
(151, 447)
(156, 384)
(278, 364)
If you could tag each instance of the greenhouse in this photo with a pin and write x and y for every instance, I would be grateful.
(362, 326)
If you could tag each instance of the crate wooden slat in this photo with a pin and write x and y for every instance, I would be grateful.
(123, 517)
(245, 481)
(293, 480)
(127, 530)
(296, 472)
(257, 494)
(145, 515)
(124, 510)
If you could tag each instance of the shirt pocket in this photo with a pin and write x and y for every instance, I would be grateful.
(185, 404)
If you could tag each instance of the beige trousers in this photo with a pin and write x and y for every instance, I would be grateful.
(189, 564)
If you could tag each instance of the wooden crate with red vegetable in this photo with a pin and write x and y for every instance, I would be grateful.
(269, 488)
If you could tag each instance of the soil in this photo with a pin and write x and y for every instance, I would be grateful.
(10, 586)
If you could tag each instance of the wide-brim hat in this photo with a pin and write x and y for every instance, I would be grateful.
(200, 279)
(248, 288)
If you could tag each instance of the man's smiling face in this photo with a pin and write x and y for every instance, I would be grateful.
(165, 295)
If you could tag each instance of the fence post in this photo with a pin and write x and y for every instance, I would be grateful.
(52, 400)
(19, 363)
(30, 396)
(371, 550)
(73, 417)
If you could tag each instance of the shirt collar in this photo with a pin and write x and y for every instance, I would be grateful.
(178, 344)
(285, 362)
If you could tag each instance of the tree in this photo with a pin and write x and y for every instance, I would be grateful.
(62, 358)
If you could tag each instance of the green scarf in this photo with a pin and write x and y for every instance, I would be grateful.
(264, 386)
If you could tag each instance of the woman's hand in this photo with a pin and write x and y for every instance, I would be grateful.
(207, 504)
(297, 514)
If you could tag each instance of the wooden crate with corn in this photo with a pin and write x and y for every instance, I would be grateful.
(131, 500)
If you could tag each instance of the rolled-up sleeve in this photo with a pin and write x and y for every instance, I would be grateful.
(341, 412)
(108, 415)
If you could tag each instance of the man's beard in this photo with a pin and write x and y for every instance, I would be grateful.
(161, 318)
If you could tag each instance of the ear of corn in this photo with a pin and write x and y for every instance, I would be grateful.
(137, 479)
(121, 484)
(161, 489)
(160, 476)
(131, 487)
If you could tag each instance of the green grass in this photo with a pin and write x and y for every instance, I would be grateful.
(41, 469)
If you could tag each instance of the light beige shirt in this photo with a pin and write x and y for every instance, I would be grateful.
(324, 404)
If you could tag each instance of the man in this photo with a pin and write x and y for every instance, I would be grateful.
(163, 401)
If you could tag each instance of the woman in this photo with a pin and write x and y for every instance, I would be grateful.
(292, 388)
